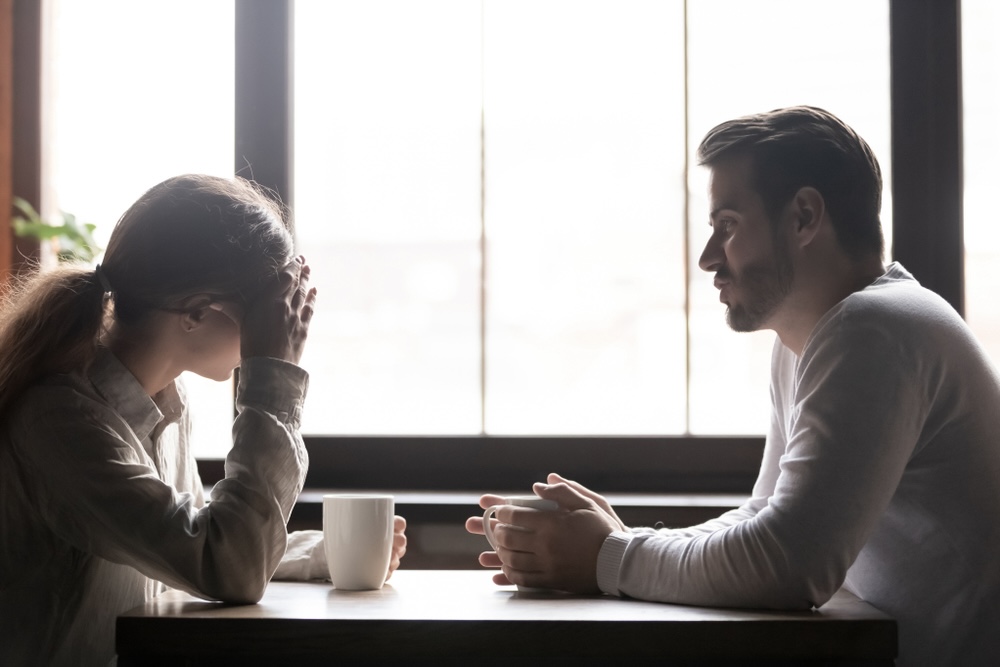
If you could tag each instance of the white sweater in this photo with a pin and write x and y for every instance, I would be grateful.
(881, 473)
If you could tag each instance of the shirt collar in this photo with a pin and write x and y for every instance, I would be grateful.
(116, 384)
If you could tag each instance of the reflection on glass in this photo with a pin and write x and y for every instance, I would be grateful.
(981, 108)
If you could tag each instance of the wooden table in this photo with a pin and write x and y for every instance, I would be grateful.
(460, 616)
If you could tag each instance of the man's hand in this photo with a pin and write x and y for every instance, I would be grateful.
(601, 502)
(398, 544)
(543, 549)
(276, 323)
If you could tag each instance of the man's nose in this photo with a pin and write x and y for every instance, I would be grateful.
(711, 257)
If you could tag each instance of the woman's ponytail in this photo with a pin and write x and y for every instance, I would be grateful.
(49, 322)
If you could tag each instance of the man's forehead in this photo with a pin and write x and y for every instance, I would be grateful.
(734, 170)
(729, 184)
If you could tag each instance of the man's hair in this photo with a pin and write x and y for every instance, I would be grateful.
(805, 146)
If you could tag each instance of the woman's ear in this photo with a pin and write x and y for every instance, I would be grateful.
(193, 310)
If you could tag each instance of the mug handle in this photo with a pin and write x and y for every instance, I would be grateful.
(487, 528)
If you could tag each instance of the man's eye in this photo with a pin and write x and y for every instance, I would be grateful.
(725, 225)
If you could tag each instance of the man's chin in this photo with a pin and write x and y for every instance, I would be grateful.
(739, 321)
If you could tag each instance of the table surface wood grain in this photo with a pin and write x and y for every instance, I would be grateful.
(461, 614)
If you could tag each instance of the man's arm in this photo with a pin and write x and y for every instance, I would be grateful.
(848, 443)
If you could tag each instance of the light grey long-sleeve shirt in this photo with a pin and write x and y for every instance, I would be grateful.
(881, 473)
(101, 504)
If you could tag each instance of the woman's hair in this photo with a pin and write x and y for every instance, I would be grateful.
(189, 235)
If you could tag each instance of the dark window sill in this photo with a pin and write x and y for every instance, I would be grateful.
(607, 464)
(437, 481)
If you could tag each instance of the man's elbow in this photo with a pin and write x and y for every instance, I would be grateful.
(807, 587)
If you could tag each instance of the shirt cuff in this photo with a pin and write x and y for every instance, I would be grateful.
(276, 386)
(609, 561)
(305, 557)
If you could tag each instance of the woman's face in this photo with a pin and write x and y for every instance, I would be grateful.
(214, 347)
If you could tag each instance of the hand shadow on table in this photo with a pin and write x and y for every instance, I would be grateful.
(544, 594)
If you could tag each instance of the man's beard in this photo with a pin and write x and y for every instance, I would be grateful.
(763, 286)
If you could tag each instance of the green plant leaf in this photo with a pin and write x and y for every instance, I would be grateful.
(75, 240)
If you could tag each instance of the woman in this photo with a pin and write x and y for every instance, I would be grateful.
(100, 500)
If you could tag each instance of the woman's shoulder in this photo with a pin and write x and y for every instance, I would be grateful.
(58, 399)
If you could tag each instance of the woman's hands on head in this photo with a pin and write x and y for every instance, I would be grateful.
(276, 323)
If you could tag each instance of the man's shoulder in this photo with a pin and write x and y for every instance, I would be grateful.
(894, 322)
(901, 303)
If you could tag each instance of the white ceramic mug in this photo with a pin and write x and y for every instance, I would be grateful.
(533, 502)
(357, 536)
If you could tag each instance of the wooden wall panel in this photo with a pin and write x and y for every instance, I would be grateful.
(6, 134)
(26, 118)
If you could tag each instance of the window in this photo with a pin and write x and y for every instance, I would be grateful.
(500, 196)
(981, 106)
(638, 343)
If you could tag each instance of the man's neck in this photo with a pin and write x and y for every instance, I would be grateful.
(815, 291)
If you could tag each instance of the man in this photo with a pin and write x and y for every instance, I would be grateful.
(881, 469)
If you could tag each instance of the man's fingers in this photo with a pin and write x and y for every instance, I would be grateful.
(556, 478)
(567, 497)
(489, 559)
(514, 538)
(502, 580)
(489, 500)
(519, 560)
(474, 524)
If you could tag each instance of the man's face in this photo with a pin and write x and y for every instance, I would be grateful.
(751, 261)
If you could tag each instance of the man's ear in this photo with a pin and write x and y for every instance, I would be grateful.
(809, 209)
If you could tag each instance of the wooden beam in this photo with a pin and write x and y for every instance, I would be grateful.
(6, 135)
(263, 114)
(927, 144)
(26, 176)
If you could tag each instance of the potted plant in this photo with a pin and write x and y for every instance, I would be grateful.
(71, 241)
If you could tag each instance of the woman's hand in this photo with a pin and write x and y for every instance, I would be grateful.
(276, 323)
(398, 544)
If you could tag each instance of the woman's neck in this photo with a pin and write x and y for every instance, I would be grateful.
(144, 354)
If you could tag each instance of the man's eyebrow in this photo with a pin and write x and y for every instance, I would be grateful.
(718, 210)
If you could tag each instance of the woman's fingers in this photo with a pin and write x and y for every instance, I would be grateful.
(301, 290)
(277, 322)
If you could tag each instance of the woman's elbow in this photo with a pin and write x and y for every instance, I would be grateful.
(241, 590)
